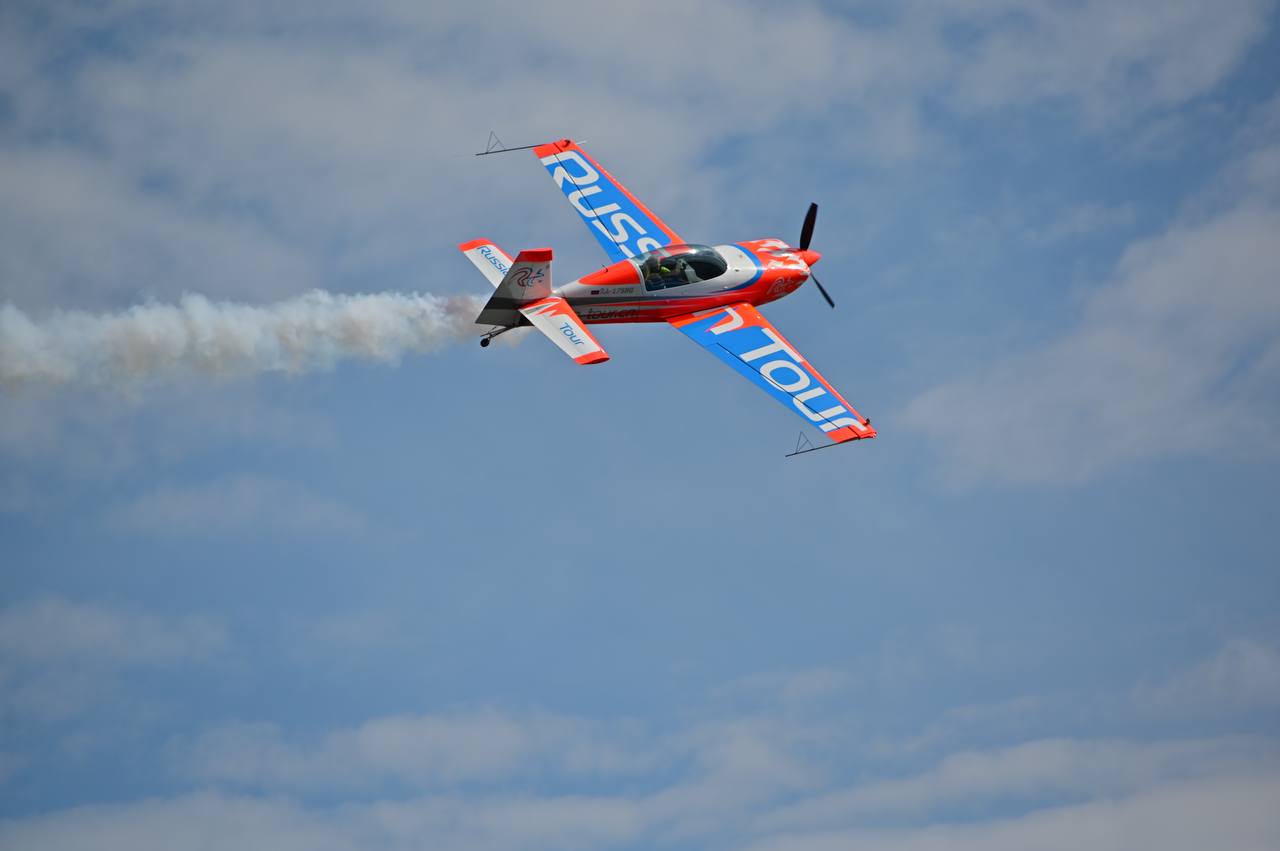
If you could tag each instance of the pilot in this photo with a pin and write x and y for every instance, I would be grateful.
(654, 267)
(650, 267)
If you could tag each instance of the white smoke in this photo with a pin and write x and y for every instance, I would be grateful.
(223, 339)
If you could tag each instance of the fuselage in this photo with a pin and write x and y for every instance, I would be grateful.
(679, 279)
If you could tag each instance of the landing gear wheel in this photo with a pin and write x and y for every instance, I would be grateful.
(484, 342)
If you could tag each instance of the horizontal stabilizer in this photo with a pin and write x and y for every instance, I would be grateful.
(554, 317)
(492, 261)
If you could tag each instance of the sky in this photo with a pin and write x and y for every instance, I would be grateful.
(421, 594)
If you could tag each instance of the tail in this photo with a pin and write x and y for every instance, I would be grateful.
(527, 280)
(523, 296)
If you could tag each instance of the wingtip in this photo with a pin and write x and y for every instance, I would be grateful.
(548, 148)
(841, 435)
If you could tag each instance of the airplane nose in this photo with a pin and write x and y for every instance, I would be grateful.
(810, 257)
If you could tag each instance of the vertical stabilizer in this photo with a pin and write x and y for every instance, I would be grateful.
(528, 280)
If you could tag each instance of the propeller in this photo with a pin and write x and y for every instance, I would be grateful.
(806, 234)
(821, 289)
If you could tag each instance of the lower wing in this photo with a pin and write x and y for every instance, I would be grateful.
(740, 336)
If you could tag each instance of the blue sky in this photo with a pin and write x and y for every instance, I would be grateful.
(487, 599)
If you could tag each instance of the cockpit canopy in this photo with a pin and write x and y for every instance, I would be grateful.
(677, 265)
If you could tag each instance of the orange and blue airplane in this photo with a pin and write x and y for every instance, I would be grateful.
(708, 292)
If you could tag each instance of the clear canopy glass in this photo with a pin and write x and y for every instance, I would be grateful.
(677, 265)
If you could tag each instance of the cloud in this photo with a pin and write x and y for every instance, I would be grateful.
(1175, 355)
(1086, 219)
(795, 770)
(57, 447)
(728, 779)
(414, 752)
(1244, 675)
(51, 630)
(76, 230)
(1222, 812)
(1036, 770)
(58, 657)
(423, 750)
(200, 821)
(245, 505)
(269, 153)
(96, 437)
(1114, 59)
(211, 821)
(795, 689)
(1188, 795)
(256, 152)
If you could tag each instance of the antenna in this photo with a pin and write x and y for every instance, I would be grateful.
(804, 446)
(495, 146)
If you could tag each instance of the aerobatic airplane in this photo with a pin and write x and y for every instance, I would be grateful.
(708, 292)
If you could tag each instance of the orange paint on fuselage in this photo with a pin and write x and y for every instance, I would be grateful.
(615, 294)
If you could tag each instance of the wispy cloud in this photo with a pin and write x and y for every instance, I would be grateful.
(59, 657)
(323, 158)
(415, 752)
(1226, 811)
(722, 776)
(51, 630)
(1175, 354)
(1036, 770)
(78, 231)
(1114, 59)
(234, 506)
(1084, 220)
(1244, 675)
(1107, 795)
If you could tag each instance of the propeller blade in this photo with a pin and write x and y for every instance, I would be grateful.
(822, 289)
(806, 232)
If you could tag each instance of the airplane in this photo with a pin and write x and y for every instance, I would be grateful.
(707, 292)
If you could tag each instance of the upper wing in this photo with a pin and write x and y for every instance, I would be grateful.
(623, 225)
(741, 337)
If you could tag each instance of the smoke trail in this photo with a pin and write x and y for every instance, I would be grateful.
(197, 336)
